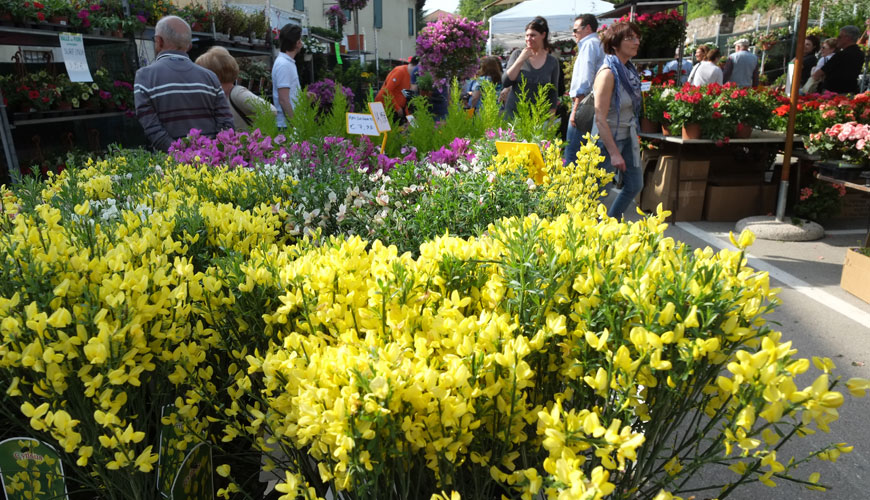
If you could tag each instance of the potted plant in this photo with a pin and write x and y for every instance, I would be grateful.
(59, 12)
(336, 18)
(744, 108)
(661, 33)
(450, 48)
(844, 144)
(258, 26)
(819, 202)
(695, 112)
(425, 83)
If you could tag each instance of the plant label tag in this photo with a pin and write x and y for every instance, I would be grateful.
(533, 151)
(380, 116)
(74, 59)
(194, 480)
(645, 86)
(28, 467)
(361, 124)
(410, 119)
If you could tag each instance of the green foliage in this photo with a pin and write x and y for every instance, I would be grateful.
(423, 135)
(264, 119)
(303, 125)
(335, 123)
(488, 116)
(456, 123)
(532, 119)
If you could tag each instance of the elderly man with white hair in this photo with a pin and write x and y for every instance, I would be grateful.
(840, 73)
(742, 66)
(173, 95)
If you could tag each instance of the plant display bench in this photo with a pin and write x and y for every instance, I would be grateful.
(865, 187)
(735, 186)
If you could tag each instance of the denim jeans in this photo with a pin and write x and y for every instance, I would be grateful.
(573, 141)
(632, 177)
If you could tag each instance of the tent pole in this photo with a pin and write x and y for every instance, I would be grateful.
(792, 111)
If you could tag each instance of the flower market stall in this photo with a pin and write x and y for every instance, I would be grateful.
(434, 320)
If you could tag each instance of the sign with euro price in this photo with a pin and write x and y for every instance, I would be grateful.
(380, 116)
(361, 124)
(73, 50)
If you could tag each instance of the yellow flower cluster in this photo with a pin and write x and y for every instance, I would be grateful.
(554, 356)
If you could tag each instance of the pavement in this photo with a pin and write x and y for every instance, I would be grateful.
(821, 319)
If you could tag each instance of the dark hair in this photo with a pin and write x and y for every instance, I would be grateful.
(616, 33)
(540, 25)
(815, 41)
(712, 55)
(588, 20)
(290, 34)
(414, 60)
(704, 49)
(490, 66)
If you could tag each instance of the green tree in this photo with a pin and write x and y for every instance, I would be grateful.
(473, 9)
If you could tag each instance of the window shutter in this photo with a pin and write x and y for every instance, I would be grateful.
(379, 13)
(411, 21)
(299, 5)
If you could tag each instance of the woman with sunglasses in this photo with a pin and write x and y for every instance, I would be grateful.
(617, 111)
(535, 65)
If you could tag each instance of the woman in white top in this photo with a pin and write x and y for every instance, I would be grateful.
(243, 102)
(708, 71)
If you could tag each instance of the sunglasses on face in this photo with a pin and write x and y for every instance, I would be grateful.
(578, 30)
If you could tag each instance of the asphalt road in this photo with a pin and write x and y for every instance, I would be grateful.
(820, 319)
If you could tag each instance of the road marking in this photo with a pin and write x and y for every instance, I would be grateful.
(822, 297)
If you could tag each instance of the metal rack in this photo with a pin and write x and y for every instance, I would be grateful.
(14, 35)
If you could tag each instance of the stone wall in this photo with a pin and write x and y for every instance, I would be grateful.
(702, 28)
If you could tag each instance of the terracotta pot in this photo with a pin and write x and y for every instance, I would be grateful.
(648, 126)
(196, 26)
(743, 131)
(692, 131)
(665, 129)
(64, 106)
(118, 33)
(62, 20)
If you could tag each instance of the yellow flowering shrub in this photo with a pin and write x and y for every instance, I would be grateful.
(561, 355)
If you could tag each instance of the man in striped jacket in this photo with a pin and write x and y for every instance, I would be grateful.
(174, 95)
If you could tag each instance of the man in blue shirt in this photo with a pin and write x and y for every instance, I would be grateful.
(674, 66)
(590, 56)
(285, 76)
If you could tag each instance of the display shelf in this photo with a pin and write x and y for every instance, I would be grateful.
(67, 118)
(14, 35)
(640, 8)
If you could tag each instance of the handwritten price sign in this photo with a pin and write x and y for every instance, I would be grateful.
(74, 57)
(361, 124)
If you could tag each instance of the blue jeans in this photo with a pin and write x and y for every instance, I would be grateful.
(632, 178)
(573, 139)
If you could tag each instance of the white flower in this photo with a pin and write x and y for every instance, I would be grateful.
(383, 199)
(332, 197)
(531, 184)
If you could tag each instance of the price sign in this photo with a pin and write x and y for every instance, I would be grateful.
(645, 86)
(410, 119)
(74, 57)
(361, 124)
(380, 116)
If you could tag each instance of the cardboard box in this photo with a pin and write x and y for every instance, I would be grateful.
(856, 274)
(660, 187)
(732, 203)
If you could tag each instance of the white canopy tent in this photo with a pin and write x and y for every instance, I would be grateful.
(508, 28)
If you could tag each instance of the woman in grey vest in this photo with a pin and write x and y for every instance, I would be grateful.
(617, 109)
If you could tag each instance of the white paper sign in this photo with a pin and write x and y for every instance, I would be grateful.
(380, 116)
(361, 124)
(410, 119)
(74, 57)
(645, 86)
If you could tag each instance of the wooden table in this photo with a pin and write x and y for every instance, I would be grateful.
(766, 138)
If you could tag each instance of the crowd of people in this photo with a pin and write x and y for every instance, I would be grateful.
(174, 94)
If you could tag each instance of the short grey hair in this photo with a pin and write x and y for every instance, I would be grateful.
(175, 32)
(742, 43)
(852, 32)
